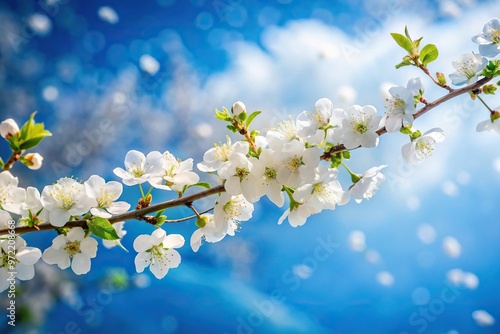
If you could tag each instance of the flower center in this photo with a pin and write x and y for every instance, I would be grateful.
(495, 35)
(396, 106)
(224, 151)
(425, 147)
(72, 248)
(105, 198)
(270, 174)
(241, 173)
(287, 129)
(137, 171)
(294, 164)
(467, 68)
(360, 127)
(65, 195)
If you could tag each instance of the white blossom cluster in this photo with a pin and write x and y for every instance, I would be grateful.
(297, 162)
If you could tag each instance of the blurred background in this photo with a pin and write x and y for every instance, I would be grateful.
(422, 256)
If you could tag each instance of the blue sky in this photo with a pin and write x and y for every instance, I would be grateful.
(278, 57)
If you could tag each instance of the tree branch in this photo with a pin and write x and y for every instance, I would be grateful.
(340, 148)
(134, 214)
(13, 158)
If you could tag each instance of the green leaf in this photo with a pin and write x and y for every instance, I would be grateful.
(406, 33)
(403, 63)
(231, 128)
(251, 117)
(102, 228)
(202, 184)
(222, 116)
(403, 42)
(30, 143)
(492, 69)
(1, 163)
(428, 54)
(416, 43)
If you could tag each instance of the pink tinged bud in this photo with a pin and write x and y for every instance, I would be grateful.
(238, 108)
(33, 160)
(8, 128)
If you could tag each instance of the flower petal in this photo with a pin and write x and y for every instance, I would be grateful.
(80, 264)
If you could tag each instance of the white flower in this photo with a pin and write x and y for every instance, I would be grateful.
(367, 186)
(120, 231)
(64, 199)
(8, 128)
(469, 67)
(209, 232)
(309, 122)
(33, 204)
(321, 193)
(228, 212)
(138, 167)
(265, 170)
(175, 174)
(490, 124)
(283, 134)
(157, 251)
(489, 40)
(5, 218)
(73, 248)
(17, 257)
(11, 196)
(422, 147)
(297, 163)
(105, 195)
(401, 106)
(238, 108)
(297, 216)
(239, 180)
(216, 156)
(33, 160)
(359, 127)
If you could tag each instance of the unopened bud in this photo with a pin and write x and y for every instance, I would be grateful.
(8, 128)
(441, 78)
(238, 108)
(33, 160)
(201, 222)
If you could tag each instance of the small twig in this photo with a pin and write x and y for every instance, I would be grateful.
(15, 156)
